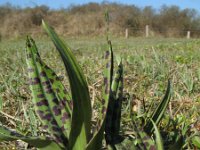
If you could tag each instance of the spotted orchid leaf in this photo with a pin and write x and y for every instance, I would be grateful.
(116, 119)
(44, 97)
(81, 114)
(143, 140)
(39, 142)
(62, 96)
(100, 128)
(114, 107)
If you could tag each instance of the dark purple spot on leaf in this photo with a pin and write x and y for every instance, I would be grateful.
(62, 104)
(58, 139)
(107, 54)
(56, 129)
(43, 102)
(71, 103)
(34, 81)
(106, 89)
(13, 133)
(56, 110)
(55, 100)
(65, 117)
(51, 80)
(105, 81)
(49, 91)
(43, 74)
(47, 117)
(40, 113)
(63, 128)
(107, 65)
(103, 111)
(45, 83)
(103, 101)
(53, 122)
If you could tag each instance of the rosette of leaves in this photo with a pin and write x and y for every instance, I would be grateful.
(67, 117)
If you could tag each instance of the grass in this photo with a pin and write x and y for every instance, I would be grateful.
(148, 63)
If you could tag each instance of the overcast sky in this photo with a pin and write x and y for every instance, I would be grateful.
(55, 4)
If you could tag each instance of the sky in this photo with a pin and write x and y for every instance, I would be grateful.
(56, 4)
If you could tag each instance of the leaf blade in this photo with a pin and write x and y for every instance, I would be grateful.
(107, 77)
(44, 97)
(39, 142)
(159, 111)
(81, 115)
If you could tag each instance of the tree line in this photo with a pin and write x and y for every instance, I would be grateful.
(88, 19)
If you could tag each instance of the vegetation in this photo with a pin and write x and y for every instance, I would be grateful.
(139, 108)
(170, 21)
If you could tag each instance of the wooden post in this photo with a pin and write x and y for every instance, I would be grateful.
(147, 30)
(126, 33)
(188, 34)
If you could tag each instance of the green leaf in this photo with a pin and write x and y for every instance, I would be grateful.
(64, 99)
(116, 119)
(159, 111)
(81, 115)
(45, 100)
(113, 116)
(96, 141)
(159, 143)
(143, 140)
(39, 142)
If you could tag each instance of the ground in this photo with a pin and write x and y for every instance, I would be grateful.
(148, 64)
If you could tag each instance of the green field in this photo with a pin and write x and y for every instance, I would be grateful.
(148, 64)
